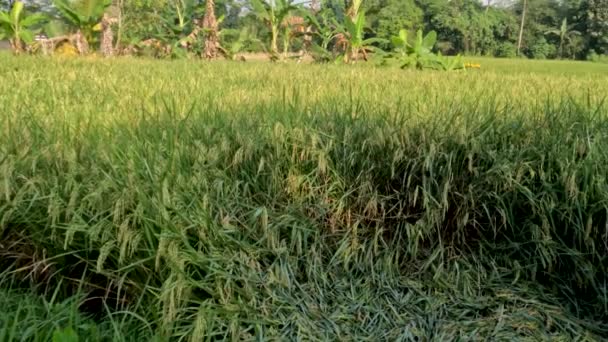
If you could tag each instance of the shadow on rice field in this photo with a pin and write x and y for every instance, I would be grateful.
(200, 201)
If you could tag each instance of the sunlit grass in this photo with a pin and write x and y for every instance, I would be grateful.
(315, 202)
(575, 69)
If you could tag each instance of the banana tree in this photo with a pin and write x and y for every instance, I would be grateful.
(210, 25)
(85, 17)
(565, 33)
(273, 13)
(236, 40)
(181, 8)
(353, 38)
(401, 43)
(353, 9)
(177, 24)
(418, 53)
(325, 28)
(449, 63)
(17, 27)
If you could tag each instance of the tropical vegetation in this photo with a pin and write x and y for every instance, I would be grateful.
(17, 27)
(541, 29)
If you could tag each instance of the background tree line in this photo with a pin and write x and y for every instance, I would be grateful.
(574, 29)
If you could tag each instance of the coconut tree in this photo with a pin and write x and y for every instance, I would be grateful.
(210, 27)
(565, 34)
(274, 14)
(85, 17)
(17, 26)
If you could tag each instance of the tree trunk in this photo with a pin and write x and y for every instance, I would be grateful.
(521, 28)
(286, 42)
(107, 37)
(211, 31)
(119, 22)
(274, 45)
(81, 43)
(16, 45)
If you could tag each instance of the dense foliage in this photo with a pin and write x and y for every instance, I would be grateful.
(468, 27)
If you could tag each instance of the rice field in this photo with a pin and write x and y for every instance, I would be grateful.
(191, 201)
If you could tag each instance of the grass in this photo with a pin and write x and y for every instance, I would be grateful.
(196, 201)
(539, 67)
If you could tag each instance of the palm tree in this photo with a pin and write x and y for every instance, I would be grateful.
(17, 26)
(565, 33)
(210, 26)
(85, 17)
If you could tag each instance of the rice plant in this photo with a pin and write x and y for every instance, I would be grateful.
(196, 201)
